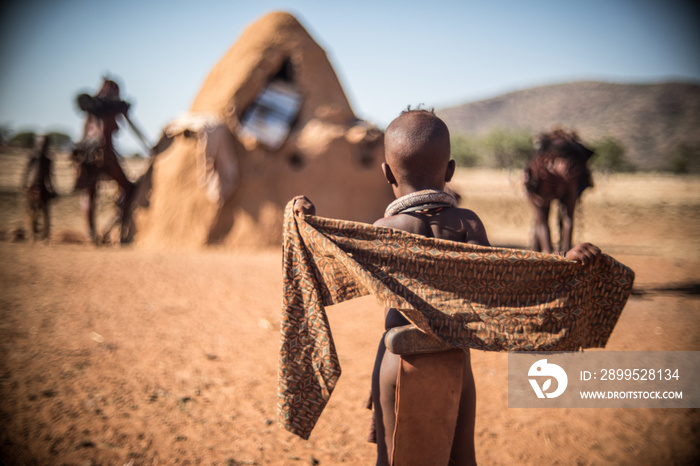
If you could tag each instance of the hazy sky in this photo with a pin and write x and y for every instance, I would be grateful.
(387, 54)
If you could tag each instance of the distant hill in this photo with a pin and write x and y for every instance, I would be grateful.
(651, 121)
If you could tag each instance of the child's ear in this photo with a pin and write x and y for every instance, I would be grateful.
(449, 173)
(388, 174)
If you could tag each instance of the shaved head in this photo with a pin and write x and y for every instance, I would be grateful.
(417, 147)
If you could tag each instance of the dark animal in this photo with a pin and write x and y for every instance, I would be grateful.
(558, 171)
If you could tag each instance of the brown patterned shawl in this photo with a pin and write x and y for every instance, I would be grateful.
(479, 297)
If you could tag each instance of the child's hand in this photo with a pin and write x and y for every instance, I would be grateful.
(303, 206)
(585, 253)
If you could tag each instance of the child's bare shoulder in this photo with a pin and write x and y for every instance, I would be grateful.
(454, 224)
(475, 232)
(466, 214)
(388, 222)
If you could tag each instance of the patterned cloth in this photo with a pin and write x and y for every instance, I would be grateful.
(478, 297)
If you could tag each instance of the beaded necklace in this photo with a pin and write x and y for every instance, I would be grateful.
(419, 201)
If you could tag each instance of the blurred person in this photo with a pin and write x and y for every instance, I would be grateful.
(39, 187)
(95, 154)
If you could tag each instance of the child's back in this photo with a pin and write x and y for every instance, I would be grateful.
(449, 223)
(417, 152)
(452, 224)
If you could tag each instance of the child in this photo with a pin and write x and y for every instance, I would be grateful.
(418, 164)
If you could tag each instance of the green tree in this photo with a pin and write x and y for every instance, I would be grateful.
(5, 133)
(59, 140)
(684, 159)
(509, 149)
(610, 156)
(24, 139)
(464, 151)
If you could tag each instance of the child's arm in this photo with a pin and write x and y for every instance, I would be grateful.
(584, 252)
(478, 234)
(303, 206)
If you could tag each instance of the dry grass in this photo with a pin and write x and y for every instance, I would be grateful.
(622, 213)
(66, 217)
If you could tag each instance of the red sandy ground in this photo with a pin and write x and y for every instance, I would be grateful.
(125, 356)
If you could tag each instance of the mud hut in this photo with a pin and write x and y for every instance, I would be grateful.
(271, 121)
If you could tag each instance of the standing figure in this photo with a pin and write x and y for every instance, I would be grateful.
(558, 171)
(39, 188)
(423, 391)
(95, 154)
